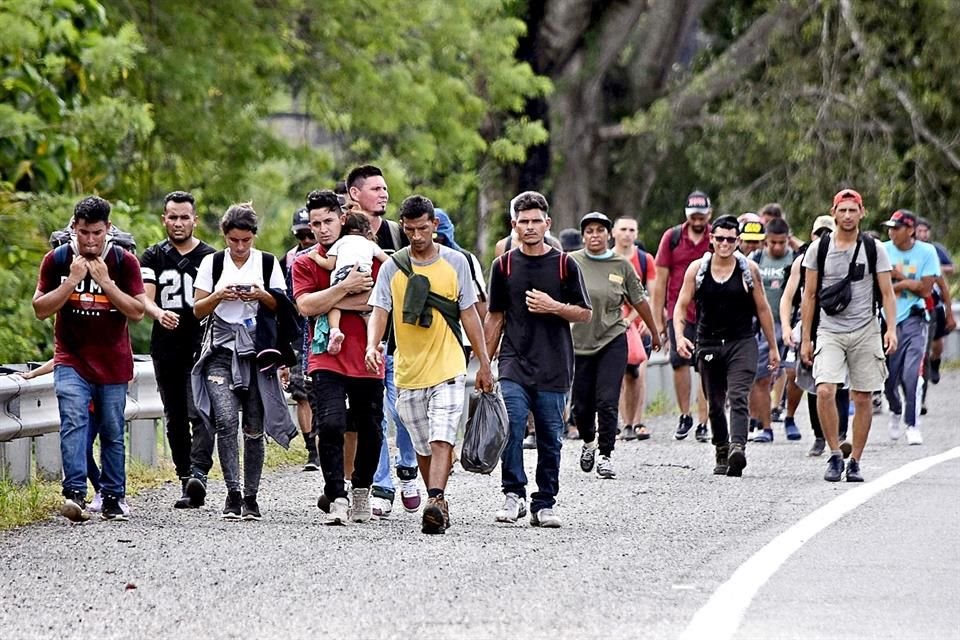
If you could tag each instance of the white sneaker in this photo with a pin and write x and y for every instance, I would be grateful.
(97, 505)
(360, 511)
(339, 510)
(914, 436)
(605, 468)
(896, 429)
(410, 495)
(380, 507)
(514, 508)
(124, 506)
(545, 518)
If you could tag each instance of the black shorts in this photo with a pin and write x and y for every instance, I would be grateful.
(939, 322)
(690, 333)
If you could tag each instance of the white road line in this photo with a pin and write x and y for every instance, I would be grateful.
(720, 617)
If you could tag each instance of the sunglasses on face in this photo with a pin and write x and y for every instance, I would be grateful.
(727, 239)
(304, 235)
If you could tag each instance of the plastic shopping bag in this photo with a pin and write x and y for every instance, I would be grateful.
(487, 431)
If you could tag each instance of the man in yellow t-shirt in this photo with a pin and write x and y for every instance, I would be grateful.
(428, 289)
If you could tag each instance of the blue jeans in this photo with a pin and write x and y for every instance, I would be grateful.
(109, 400)
(406, 458)
(547, 408)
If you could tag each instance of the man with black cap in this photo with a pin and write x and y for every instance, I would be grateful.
(839, 312)
(292, 378)
(600, 345)
(680, 246)
(916, 268)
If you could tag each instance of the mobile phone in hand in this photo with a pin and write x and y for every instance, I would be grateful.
(242, 288)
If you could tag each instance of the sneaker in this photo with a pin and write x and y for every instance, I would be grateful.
(736, 461)
(251, 510)
(336, 341)
(97, 505)
(923, 409)
(545, 518)
(360, 510)
(605, 469)
(934, 371)
(197, 489)
(74, 508)
(629, 433)
(764, 435)
(588, 454)
(877, 402)
(124, 507)
(846, 449)
(111, 509)
(819, 444)
(380, 507)
(755, 427)
(896, 427)
(313, 461)
(641, 432)
(683, 427)
(514, 508)
(410, 496)
(834, 469)
(323, 503)
(790, 428)
(436, 516)
(338, 512)
(853, 471)
(233, 506)
(530, 442)
(776, 415)
(721, 456)
(702, 433)
(183, 502)
(914, 436)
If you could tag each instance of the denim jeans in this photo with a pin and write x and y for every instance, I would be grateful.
(547, 408)
(93, 471)
(406, 461)
(226, 404)
(74, 395)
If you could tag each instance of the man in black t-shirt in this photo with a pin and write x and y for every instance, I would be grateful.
(168, 269)
(535, 293)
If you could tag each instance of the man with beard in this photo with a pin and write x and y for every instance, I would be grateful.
(169, 269)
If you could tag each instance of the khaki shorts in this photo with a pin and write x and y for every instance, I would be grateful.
(858, 353)
(432, 414)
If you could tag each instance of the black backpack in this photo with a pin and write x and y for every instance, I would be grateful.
(870, 248)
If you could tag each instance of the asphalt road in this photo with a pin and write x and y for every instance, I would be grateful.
(637, 557)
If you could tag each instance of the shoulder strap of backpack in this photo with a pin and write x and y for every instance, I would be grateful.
(675, 236)
(640, 260)
(747, 273)
(218, 266)
(267, 261)
(61, 255)
(505, 262)
(395, 234)
(563, 266)
(702, 271)
(870, 247)
(822, 248)
(756, 255)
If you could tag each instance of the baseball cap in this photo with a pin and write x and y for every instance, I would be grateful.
(595, 216)
(752, 231)
(901, 218)
(847, 194)
(301, 220)
(697, 202)
(749, 216)
(823, 222)
(570, 240)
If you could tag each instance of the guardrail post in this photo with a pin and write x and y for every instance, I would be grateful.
(143, 432)
(47, 454)
(15, 460)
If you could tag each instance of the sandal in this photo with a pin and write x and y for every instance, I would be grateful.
(641, 431)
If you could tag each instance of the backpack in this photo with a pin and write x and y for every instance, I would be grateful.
(870, 248)
(741, 260)
(117, 242)
(504, 261)
(675, 236)
(639, 261)
(395, 234)
(267, 258)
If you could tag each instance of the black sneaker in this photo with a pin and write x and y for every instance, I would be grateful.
(588, 455)
(776, 414)
(196, 489)
(934, 371)
(834, 468)
(853, 471)
(74, 507)
(313, 461)
(184, 501)
(736, 461)
(819, 444)
(323, 503)
(111, 509)
(251, 510)
(702, 433)
(683, 427)
(232, 506)
(721, 468)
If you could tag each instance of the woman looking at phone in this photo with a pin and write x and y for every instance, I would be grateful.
(230, 289)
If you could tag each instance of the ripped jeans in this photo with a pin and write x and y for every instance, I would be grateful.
(226, 405)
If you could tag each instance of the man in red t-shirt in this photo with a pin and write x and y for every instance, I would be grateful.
(679, 246)
(94, 288)
(340, 378)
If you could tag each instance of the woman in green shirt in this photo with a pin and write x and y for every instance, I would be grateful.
(600, 346)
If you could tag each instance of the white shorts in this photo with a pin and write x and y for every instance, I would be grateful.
(432, 414)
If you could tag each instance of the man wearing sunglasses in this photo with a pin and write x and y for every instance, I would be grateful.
(729, 294)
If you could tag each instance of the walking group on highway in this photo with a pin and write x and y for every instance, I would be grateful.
(366, 319)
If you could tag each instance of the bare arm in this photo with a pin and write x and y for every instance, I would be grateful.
(376, 326)
(660, 299)
(47, 304)
(889, 311)
(646, 314)
(45, 368)
(328, 262)
(130, 306)
(684, 346)
(540, 302)
(471, 324)
(786, 301)
(318, 303)
(492, 330)
(807, 308)
(922, 287)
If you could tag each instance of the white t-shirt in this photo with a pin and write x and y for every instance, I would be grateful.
(353, 250)
(251, 272)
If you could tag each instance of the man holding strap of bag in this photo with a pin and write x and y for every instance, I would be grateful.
(840, 295)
